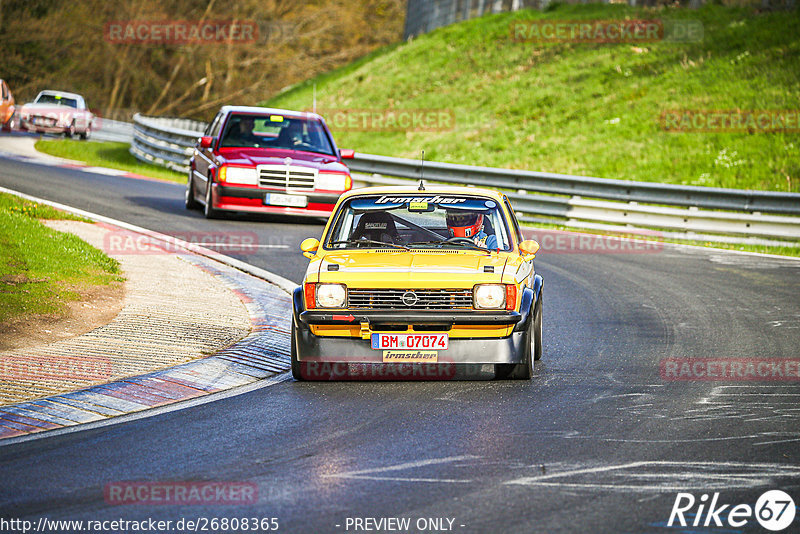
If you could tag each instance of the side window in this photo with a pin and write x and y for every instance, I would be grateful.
(517, 231)
(213, 128)
(5, 90)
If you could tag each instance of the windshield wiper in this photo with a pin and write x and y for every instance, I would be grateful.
(368, 241)
(471, 246)
(432, 243)
(440, 244)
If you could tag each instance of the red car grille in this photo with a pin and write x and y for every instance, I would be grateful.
(287, 177)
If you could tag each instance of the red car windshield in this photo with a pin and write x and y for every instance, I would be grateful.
(276, 131)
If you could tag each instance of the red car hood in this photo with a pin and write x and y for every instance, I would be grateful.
(260, 156)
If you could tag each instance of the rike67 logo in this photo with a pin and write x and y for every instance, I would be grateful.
(774, 510)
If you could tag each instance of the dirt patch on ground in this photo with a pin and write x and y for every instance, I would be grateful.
(97, 307)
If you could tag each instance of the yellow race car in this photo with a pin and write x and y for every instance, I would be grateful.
(418, 283)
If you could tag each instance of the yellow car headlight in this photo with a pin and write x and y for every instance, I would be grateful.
(331, 295)
(490, 296)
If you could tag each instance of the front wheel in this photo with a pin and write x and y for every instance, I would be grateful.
(9, 125)
(189, 201)
(296, 374)
(531, 349)
(86, 133)
(208, 209)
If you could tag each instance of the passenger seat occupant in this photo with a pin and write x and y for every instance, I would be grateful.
(291, 135)
(469, 224)
(376, 226)
(241, 132)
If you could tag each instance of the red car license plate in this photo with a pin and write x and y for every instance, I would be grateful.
(409, 341)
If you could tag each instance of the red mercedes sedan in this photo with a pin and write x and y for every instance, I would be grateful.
(264, 160)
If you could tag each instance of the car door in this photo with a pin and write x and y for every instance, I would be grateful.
(6, 103)
(203, 158)
(81, 116)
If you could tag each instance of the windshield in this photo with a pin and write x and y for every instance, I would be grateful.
(276, 131)
(57, 100)
(420, 221)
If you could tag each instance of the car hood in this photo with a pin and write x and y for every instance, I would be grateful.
(263, 156)
(418, 269)
(49, 109)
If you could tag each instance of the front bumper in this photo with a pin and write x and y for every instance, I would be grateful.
(38, 128)
(310, 348)
(321, 349)
(251, 199)
(324, 317)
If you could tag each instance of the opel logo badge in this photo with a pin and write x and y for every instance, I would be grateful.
(287, 161)
(409, 298)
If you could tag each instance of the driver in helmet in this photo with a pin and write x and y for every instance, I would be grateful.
(469, 224)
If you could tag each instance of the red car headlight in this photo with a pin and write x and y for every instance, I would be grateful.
(238, 175)
(334, 181)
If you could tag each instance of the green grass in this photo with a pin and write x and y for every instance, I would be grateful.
(105, 154)
(41, 269)
(585, 109)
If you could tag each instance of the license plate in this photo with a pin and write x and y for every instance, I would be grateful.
(409, 341)
(410, 356)
(293, 201)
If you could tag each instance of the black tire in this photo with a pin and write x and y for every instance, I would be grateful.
(537, 327)
(86, 133)
(524, 369)
(208, 209)
(532, 349)
(296, 374)
(70, 133)
(190, 202)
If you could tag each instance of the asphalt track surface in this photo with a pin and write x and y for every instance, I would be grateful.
(598, 441)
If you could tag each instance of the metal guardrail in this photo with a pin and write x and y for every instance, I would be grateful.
(692, 212)
(167, 142)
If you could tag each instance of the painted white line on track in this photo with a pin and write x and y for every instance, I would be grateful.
(399, 467)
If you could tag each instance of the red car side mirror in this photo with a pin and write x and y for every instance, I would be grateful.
(347, 153)
(206, 141)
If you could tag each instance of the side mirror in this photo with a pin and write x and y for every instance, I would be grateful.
(309, 247)
(347, 153)
(206, 141)
(529, 247)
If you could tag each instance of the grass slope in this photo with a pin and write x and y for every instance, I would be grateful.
(105, 154)
(587, 109)
(41, 269)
